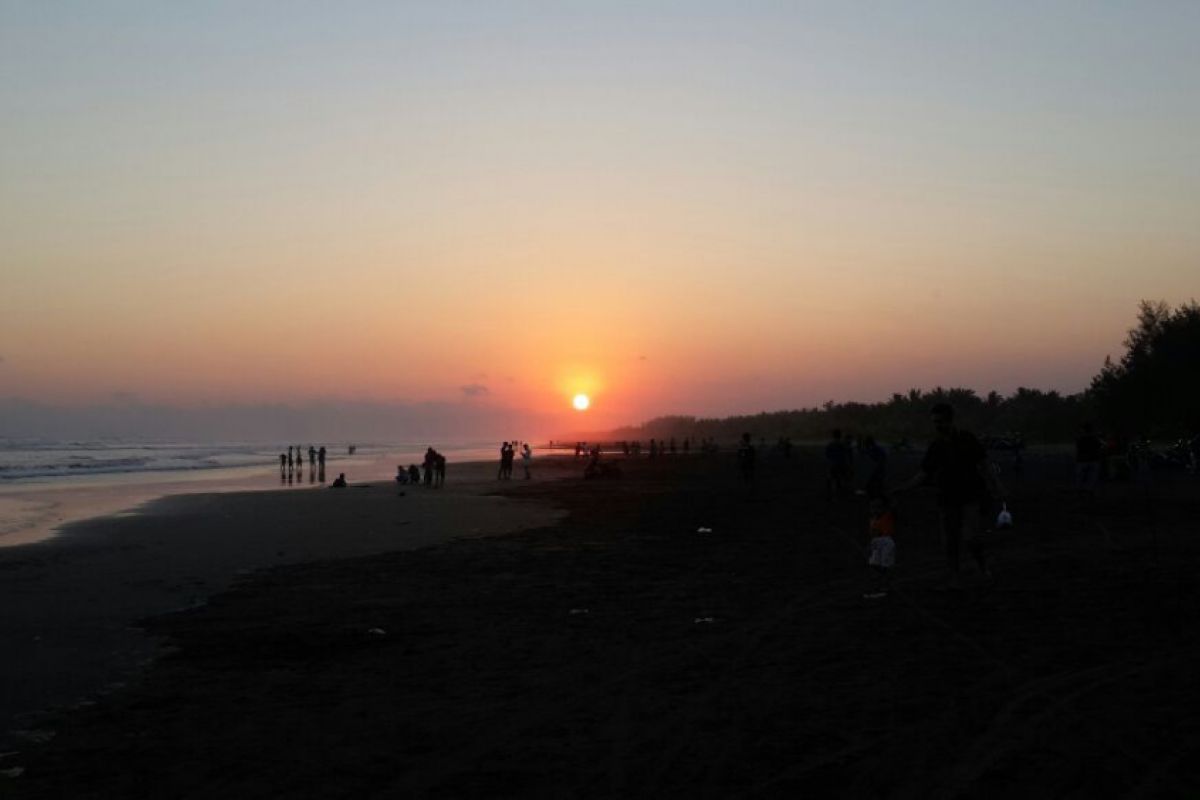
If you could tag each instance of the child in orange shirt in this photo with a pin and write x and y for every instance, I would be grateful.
(883, 547)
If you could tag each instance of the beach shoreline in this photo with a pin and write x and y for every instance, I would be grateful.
(75, 601)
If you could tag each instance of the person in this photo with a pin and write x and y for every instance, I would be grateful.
(672, 445)
(837, 456)
(439, 467)
(878, 458)
(745, 458)
(957, 463)
(312, 457)
(1089, 451)
(653, 449)
(401, 475)
(526, 458)
(282, 463)
(687, 445)
(882, 556)
(289, 459)
(506, 461)
(427, 466)
(414, 474)
(339, 482)
(321, 458)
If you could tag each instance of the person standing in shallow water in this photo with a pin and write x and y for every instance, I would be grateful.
(957, 464)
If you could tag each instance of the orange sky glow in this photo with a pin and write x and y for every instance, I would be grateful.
(707, 213)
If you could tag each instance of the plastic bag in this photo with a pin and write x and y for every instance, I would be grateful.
(1004, 519)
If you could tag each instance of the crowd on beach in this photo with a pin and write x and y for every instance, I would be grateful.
(972, 501)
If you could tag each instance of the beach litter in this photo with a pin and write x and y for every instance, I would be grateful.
(704, 530)
(703, 621)
(575, 611)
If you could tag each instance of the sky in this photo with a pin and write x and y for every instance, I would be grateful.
(696, 207)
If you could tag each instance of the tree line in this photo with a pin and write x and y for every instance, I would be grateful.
(1153, 390)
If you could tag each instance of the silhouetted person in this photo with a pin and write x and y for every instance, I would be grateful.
(672, 445)
(837, 457)
(282, 463)
(339, 482)
(746, 457)
(687, 446)
(289, 459)
(653, 449)
(1089, 452)
(414, 474)
(957, 463)
(439, 469)
(312, 457)
(401, 475)
(427, 466)
(877, 478)
(526, 458)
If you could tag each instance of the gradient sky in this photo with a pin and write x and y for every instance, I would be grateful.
(679, 207)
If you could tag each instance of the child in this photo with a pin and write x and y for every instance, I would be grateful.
(883, 547)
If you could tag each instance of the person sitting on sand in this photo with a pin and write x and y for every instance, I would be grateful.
(339, 482)
(883, 547)
(957, 463)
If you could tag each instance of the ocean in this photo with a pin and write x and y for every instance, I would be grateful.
(46, 484)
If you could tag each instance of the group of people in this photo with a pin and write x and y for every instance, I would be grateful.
(508, 451)
(292, 462)
(969, 493)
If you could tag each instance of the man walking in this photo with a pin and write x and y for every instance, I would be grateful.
(957, 464)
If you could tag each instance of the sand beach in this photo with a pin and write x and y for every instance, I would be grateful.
(616, 650)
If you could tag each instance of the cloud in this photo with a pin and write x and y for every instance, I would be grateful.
(474, 390)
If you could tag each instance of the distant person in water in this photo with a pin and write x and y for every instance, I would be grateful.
(837, 458)
(526, 458)
(339, 482)
(957, 464)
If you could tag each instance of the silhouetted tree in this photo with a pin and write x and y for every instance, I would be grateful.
(1155, 387)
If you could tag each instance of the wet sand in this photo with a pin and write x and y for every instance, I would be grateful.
(620, 652)
(73, 603)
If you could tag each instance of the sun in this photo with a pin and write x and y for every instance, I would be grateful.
(581, 402)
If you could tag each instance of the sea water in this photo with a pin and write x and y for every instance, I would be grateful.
(46, 484)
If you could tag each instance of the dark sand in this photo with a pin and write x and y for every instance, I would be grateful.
(568, 660)
(73, 604)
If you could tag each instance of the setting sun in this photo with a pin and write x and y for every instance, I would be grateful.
(581, 402)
